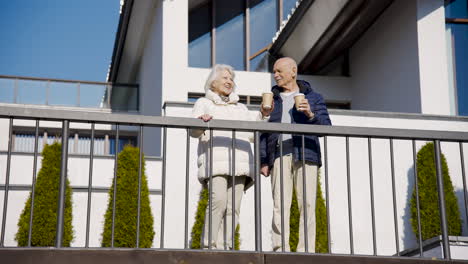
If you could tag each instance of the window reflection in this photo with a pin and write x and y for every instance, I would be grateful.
(459, 42)
(456, 9)
(262, 29)
(200, 37)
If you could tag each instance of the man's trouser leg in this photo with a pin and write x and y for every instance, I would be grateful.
(219, 198)
(239, 191)
(287, 195)
(311, 192)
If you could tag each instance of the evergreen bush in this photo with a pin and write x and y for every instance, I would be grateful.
(321, 235)
(197, 228)
(428, 197)
(126, 204)
(44, 222)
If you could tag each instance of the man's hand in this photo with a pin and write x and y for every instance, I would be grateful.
(265, 170)
(267, 111)
(304, 107)
(205, 117)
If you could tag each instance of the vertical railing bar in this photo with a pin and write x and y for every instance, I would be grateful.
(140, 163)
(163, 187)
(15, 91)
(325, 147)
(304, 196)
(7, 182)
(116, 148)
(442, 212)
(283, 240)
(395, 217)
(350, 216)
(90, 184)
(258, 190)
(33, 191)
(462, 159)
(233, 173)
(78, 94)
(47, 92)
(187, 173)
(371, 185)
(63, 179)
(418, 210)
(210, 190)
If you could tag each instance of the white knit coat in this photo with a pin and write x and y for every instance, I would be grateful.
(213, 105)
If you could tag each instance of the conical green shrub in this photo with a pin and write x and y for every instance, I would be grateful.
(428, 197)
(197, 228)
(321, 235)
(126, 204)
(44, 222)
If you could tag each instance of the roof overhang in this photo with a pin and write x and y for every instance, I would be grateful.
(321, 30)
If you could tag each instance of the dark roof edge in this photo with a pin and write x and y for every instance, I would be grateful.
(120, 38)
(356, 113)
(290, 26)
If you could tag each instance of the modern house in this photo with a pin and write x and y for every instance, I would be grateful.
(386, 64)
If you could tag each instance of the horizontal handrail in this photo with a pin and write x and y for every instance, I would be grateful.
(65, 80)
(21, 112)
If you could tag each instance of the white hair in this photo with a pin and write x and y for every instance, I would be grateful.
(215, 72)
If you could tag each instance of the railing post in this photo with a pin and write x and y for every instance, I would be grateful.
(258, 212)
(63, 178)
(440, 191)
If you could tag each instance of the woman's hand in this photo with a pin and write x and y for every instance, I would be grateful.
(267, 111)
(205, 117)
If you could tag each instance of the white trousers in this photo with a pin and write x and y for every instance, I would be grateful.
(292, 178)
(221, 195)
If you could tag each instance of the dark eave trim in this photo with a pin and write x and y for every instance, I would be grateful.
(120, 38)
(289, 28)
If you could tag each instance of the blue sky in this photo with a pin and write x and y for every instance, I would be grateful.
(68, 39)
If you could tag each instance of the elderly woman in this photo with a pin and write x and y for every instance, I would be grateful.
(221, 102)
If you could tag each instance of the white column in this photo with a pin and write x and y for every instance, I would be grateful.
(433, 68)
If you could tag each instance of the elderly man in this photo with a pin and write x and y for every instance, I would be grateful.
(311, 111)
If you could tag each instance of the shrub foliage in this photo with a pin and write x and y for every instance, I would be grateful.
(44, 222)
(321, 235)
(197, 228)
(428, 197)
(126, 204)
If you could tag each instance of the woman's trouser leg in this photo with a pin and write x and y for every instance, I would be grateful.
(219, 197)
(239, 191)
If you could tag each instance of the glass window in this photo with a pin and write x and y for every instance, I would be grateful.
(287, 6)
(200, 37)
(262, 29)
(230, 33)
(456, 9)
(459, 34)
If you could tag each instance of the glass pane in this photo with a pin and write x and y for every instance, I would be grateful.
(92, 95)
(460, 56)
(456, 9)
(7, 90)
(32, 92)
(230, 33)
(260, 63)
(61, 93)
(200, 37)
(124, 98)
(288, 5)
(262, 27)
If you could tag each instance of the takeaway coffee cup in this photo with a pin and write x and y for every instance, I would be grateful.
(267, 98)
(298, 98)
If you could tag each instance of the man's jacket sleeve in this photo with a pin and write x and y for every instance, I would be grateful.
(320, 111)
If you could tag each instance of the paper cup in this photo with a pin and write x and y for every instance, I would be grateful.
(298, 98)
(267, 99)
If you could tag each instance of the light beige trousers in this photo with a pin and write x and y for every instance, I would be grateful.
(221, 194)
(292, 178)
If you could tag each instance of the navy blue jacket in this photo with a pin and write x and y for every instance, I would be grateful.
(269, 147)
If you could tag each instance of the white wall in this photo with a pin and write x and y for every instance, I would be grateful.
(384, 63)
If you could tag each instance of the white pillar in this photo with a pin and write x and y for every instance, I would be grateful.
(433, 69)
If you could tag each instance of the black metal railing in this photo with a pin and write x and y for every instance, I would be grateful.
(118, 121)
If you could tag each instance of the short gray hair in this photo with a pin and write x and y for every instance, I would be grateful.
(215, 72)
